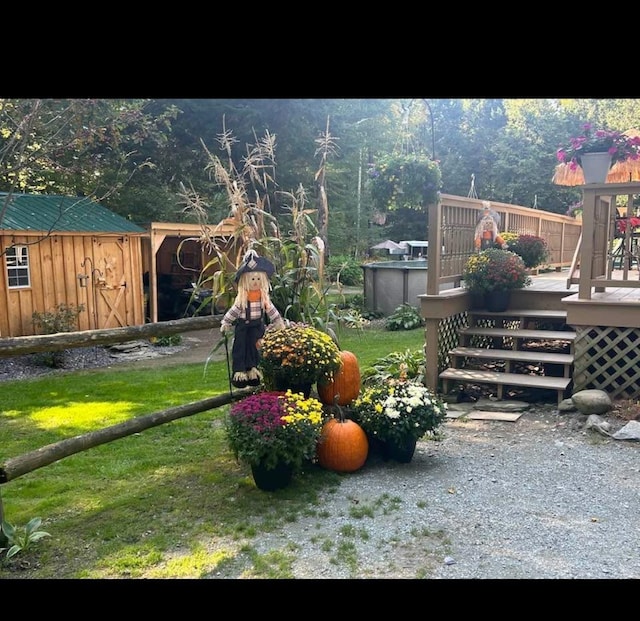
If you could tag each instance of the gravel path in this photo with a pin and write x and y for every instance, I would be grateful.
(541, 497)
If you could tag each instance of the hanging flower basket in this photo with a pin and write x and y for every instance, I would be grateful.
(404, 181)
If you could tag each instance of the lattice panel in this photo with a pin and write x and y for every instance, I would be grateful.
(506, 342)
(607, 358)
(448, 337)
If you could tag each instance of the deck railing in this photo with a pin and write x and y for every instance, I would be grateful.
(596, 253)
(452, 224)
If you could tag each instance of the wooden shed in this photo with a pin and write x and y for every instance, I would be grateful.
(174, 256)
(72, 251)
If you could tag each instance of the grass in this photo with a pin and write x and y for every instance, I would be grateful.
(170, 502)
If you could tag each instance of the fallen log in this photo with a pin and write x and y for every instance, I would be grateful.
(13, 346)
(17, 466)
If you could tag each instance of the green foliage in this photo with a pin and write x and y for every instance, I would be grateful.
(20, 539)
(533, 249)
(167, 341)
(408, 363)
(63, 319)
(405, 317)
(404, 180)
(344, 270)
(80, 145)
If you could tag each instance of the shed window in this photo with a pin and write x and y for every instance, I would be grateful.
(17, 258)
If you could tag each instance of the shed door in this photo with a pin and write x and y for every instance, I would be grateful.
(108, 308)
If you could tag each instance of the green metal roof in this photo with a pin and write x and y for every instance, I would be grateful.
(49, 212)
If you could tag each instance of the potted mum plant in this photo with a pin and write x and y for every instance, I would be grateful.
(532, 248)
(275, 433)
(494, 273)
(297, 356)
(396, 413)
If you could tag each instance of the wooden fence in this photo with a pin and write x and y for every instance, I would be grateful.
(452, 225)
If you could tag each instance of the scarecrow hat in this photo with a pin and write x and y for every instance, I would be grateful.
(251, 262)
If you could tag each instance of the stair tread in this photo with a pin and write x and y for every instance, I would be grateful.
(512, 379)
(559, 335)
(522, 312)
(511, 354)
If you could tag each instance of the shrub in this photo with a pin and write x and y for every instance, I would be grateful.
(405, 317)
(345, 270)
(408, 364)
(63, 319)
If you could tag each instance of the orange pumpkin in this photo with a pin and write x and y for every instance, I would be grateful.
(346, 382)
(343, 445)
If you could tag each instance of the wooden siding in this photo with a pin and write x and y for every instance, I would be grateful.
(112, 263)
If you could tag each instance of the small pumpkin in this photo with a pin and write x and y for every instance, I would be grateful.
(343, 444)
(346, 382)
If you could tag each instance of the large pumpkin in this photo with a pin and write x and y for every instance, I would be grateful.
(343, 445)
(346, 382)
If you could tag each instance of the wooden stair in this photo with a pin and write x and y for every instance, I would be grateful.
(504, 346)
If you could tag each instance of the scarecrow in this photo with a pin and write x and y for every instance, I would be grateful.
(247, 318)
(487, 234)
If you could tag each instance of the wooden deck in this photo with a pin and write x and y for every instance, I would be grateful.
(614, 306)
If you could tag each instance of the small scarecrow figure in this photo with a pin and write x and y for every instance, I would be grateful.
(487, 234)
(247, 317)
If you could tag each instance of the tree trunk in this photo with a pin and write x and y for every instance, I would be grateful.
(64, 340)
(46, 455)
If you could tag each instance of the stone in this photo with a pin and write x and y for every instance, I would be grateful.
(567, 405)
(592, 401)
(489, 405)
(596, 422)
(631, 431)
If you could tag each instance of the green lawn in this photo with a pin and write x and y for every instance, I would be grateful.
(150, 504)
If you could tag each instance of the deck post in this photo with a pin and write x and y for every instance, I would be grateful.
(431, 353)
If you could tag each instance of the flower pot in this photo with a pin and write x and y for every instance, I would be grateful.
(595, 166)
(284, 384)
(498, 301)
(476, 300)
(272, 479)
(401, 451)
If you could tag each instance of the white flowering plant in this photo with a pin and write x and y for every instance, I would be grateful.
(397, 409)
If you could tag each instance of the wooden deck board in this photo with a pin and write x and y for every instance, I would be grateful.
(558, 335)
(557, 281)
(507, 379)
(522, 313)
(510, 354)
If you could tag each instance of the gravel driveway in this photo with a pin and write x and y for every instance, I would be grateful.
(541, 497)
